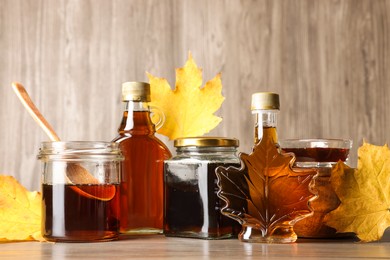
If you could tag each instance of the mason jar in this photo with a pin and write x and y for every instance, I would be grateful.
(192, 208)
(80, 191)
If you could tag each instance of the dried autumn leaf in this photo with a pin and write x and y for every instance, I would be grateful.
(364, 194)
(188, 109)
(265, 194)
(20, 211)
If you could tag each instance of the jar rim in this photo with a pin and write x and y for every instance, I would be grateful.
(206, 142)
(316, 143)
(76, 149)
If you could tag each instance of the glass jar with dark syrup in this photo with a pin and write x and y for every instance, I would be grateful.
(192, 208)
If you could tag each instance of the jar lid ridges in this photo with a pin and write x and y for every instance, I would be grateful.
(206, 142)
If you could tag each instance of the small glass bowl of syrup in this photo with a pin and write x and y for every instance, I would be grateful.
(321, 155)
(319, 151)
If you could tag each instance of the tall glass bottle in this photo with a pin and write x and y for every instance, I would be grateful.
(142, 169)
(276, 197)
(284, 193)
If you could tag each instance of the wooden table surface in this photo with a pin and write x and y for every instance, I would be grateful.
(160, 247)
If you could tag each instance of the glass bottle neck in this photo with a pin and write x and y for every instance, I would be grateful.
(265, 125)
(136, 119)
(132, 106)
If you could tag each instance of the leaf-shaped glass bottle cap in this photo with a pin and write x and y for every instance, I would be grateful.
(265, 100)
(136, 91)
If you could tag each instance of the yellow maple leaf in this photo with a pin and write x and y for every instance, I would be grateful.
(364, 194)
(188, 109)
(20, 211)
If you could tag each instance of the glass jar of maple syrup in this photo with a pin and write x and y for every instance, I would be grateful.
(192, 208)
(142, 169)
(320, 155)
(80, 191)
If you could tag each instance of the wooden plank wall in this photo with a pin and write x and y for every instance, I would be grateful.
(329, 61)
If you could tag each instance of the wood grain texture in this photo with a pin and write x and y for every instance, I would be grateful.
(160, 247)
(328, 60)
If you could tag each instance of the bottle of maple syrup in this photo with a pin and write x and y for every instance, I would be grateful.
(142, 169)
(279, 218)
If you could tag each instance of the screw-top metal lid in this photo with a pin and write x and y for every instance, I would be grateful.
(206, 142)
(265, 100)
(136, 91)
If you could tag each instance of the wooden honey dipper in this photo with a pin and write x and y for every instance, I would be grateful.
(75, 173)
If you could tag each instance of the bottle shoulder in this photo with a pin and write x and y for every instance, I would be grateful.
(145, 141)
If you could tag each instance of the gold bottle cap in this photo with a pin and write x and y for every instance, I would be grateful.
(206, 142)
(265, 100)
(136, 91)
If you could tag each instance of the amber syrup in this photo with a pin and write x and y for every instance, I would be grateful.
(142, 175)
(281, 233)
(87, 212)
(319, 154)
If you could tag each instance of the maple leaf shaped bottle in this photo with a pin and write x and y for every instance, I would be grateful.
(276, 197)
(142, 169)
(265, 106)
